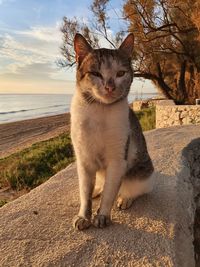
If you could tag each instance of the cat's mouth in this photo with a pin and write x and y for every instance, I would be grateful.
(109, 95)
(107, 98)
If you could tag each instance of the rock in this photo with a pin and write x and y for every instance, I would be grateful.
(156, 231)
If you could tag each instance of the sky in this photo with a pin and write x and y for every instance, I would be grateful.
(30, 41)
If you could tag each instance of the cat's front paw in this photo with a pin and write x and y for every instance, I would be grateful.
(124, 203)
(101, 221)
(81, 223)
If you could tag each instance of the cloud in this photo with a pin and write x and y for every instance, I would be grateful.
(36, 71)
(28, 56)
(19, 52)
(37, 48)
(36, 78)
(46, 34)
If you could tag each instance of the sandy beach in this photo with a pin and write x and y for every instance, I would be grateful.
(16, 136)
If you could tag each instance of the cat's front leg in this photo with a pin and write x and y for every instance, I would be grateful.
(86, 185)
(114, 173)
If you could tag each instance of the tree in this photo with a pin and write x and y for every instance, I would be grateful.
(167, 43)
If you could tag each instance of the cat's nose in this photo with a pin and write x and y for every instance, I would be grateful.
(110, 88)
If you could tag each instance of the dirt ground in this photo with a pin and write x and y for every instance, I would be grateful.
(16, 136)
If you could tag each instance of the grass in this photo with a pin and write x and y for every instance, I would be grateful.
(147, 118)
(34, 165)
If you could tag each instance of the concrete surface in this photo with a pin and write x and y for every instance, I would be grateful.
(36, 229)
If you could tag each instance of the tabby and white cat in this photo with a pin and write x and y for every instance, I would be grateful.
(111, 152)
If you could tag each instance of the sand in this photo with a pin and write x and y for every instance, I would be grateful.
(16, 136)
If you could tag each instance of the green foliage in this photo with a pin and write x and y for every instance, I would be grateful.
(32, 166)
(147, 118)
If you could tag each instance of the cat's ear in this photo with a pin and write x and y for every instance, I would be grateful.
(127, 45)
(81, 47)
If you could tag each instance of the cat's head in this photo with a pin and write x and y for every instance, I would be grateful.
(104, 75)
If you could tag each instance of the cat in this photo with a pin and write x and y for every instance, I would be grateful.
(109, 145)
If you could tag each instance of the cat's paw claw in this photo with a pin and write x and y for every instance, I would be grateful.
(124, 203)
(81, 223)
(101, 221)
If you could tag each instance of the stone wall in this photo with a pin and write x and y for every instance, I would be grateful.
(147, 103)
(177, 115)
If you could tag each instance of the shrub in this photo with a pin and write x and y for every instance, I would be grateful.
(147, 118)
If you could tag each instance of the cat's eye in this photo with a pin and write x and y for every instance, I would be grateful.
(120, 73)
(97, 74)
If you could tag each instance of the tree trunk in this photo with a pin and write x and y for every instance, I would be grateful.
(185, 85)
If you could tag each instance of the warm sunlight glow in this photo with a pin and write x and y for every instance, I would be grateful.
(30, 40)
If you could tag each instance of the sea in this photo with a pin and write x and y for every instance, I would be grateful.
(17, 107)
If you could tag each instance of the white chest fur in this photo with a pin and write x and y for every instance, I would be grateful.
(99, 131)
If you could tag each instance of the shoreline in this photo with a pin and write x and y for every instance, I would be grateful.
(15, 136)
(34, 118)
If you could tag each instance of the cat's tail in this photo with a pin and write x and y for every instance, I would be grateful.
(100, 179)
(138, 181)
(133, 188)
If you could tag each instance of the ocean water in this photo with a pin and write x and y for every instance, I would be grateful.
(21, 107)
